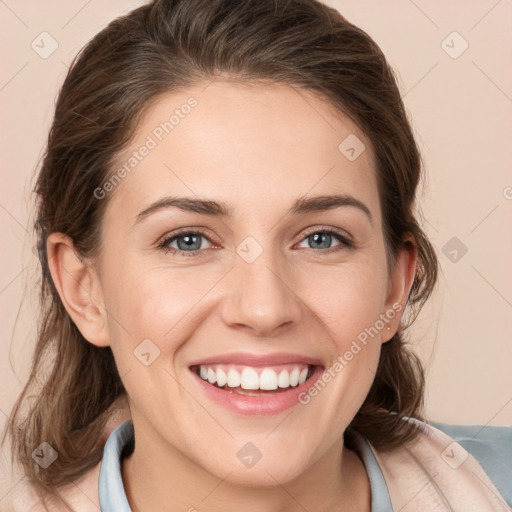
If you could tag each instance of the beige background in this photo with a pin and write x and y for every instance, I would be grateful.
(461, 111)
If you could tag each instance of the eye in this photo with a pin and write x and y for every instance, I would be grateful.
(187, 243)
(322, 239)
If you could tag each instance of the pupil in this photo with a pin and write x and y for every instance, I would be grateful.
(317, 236)
(189, 243)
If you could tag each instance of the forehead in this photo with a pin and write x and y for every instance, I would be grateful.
(255, 146)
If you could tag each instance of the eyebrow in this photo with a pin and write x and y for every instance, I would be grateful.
(301, 206)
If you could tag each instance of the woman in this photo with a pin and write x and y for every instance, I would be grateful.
(228, 247)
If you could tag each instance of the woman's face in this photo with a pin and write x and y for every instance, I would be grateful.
(260, 279)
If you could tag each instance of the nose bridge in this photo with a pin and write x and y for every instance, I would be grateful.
(261, 295)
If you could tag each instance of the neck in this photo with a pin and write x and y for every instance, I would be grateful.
(168, 481)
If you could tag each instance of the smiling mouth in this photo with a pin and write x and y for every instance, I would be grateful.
(252, 381)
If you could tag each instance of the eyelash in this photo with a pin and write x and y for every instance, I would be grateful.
(345, 243)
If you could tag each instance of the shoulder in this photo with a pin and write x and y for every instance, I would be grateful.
(82, 496)
(491, 446)
(435, 470)
(18, 495)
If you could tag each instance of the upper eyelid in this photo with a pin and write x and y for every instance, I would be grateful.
(337, 231)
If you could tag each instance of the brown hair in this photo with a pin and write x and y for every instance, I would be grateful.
(159, 48)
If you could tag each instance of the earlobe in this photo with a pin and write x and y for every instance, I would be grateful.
(79, 289)
(400, 283)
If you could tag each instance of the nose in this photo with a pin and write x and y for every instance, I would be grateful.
(260, 298)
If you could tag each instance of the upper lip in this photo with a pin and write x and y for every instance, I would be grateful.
(248, 359)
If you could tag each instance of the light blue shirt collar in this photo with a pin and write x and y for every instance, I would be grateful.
(111, 489)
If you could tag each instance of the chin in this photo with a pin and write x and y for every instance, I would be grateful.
(259, 471)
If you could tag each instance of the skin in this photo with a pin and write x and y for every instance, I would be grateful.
(257, 148)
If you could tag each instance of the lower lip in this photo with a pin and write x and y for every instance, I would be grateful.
(262, 405)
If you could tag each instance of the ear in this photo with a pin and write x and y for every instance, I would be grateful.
(399, 286)
(79, 288)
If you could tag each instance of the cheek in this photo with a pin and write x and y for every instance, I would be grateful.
(148, 299)
(149, 321)
(154, 303)
(348, 300)
(348, 304)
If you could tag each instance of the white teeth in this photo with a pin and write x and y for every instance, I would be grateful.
(268, 379)
(249, 379)
(221, 377)
(283, 380)
(212, 378)
(294, 377)
(233, 378)
(303, 375)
